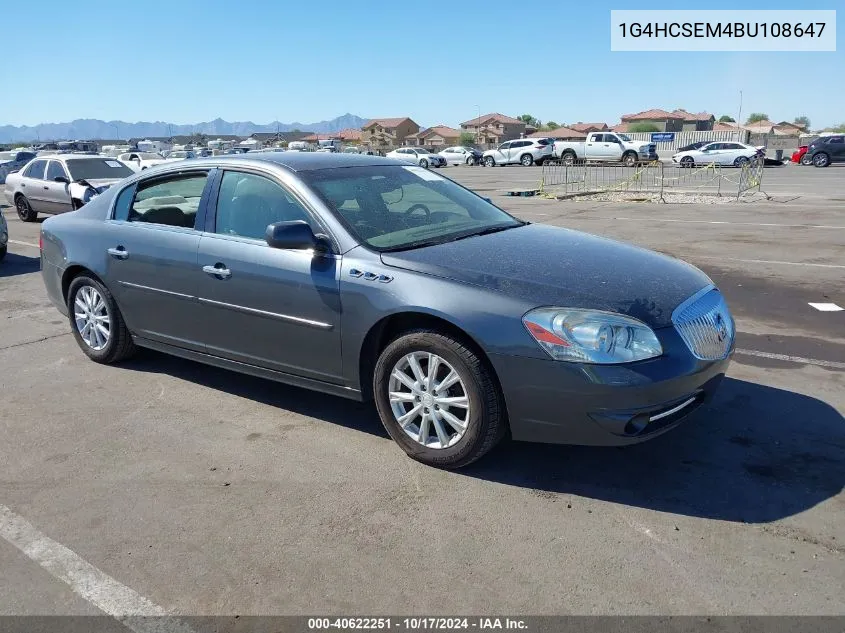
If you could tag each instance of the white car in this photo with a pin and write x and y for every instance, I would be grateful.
(418, 156)
(460, 155)
(720, 153)
(139, 161)
(523, 151)
(62, 182)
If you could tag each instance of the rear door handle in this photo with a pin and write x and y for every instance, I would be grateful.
(118, 252)
(218, 270)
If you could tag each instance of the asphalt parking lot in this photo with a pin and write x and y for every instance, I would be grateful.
(206, 492)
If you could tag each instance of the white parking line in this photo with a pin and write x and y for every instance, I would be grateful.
(765, 261)
(825, 307)
(790, 226)
(107, 594)
(830, 364)
(18, 242)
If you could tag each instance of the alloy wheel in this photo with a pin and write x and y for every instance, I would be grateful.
(820, 160)
(429, 400)
(91, 317)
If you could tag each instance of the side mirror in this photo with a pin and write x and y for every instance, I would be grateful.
(295, 235)
(61, 179)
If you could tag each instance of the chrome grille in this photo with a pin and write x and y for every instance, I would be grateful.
(705, 324)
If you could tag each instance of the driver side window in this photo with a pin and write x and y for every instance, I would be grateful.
(248, 203)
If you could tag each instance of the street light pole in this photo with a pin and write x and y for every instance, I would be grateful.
(478, 125)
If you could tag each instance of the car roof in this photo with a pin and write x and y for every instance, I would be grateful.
(66, 157)
(305, 161)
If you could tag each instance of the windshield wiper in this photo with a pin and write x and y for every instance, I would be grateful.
(487, 231)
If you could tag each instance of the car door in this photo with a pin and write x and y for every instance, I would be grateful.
(56, 194)
(710, 154)
(502, 153)
(836, 148)
(32, 185)
(274, 308)
(151, 268)
(594, 148)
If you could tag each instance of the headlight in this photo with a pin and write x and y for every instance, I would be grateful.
(591, 336)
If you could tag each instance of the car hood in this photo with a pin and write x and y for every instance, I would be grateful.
(551, 266)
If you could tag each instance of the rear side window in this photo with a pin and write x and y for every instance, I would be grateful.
(839, 140)
(172, 202)
(36, 170)
(543, 141)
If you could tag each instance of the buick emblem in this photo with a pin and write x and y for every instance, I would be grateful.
(721, 328)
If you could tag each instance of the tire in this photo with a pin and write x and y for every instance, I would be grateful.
(740, 161)
(806, 160)
(821, 159)
(484, 420)
(470, 161)
(3, 250)
(24, 209)
(118, 345)
(568, 158)
(526, 160)
(629, 159)
(424, 163)
(687, 161)
(489, 161)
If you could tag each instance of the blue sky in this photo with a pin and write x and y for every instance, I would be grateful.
(186, 61)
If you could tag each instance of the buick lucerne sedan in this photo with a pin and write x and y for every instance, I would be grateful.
(371, 279)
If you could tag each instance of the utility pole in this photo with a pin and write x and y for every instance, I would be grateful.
(478, 125)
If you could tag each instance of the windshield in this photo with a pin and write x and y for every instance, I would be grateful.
(624, 137)
(97, 169)
(395, 208)
(179, 155)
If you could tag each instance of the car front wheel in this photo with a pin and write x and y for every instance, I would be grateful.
(740, 161)
(438, 399)
(687, 161)
(97, 324)
(490, 161)
(3, 252)
(423, 163)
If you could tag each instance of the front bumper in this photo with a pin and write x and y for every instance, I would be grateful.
(605, 405)
(651, 156)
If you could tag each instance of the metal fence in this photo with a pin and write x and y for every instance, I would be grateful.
(653, 178)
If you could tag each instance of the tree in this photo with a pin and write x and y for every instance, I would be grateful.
(643, 127)
(466, 139)
(551, 125)
(726, 119)
(839, 127)
(754, 117)
(530, 120)
(802, 121)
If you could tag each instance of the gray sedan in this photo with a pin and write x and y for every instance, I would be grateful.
(365, 278)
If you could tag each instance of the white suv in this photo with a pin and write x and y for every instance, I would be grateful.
(524, 151)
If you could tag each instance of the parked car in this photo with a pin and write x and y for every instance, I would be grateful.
(826, 150)
(183, 154)
(417, 155)
(721, 153)
(692, 146)
(800, 156)
(605, 147)
(525, 152)
(4, 237)
(139, 161)
(62, 182)
(367, 278)
(13, 161)
(461, 155)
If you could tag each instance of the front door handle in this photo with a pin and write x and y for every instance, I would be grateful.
(47, 187)
(218, 270)
(118, 253)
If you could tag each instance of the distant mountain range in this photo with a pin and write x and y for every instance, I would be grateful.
(89, 129)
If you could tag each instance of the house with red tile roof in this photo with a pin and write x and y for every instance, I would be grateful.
(586, 128)
(675, 121)
(494, 128)
(437, 136)
(388, 133)
(560, 134)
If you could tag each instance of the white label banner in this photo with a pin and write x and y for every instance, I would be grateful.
(712, 30)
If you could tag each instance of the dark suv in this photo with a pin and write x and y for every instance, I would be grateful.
(826, 150)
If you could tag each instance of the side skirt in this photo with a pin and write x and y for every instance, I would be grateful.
(252, 370)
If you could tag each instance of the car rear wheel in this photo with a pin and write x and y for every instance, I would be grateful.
(527, 160)
(821, 159)
(97, 324)
(25, 211)
(489, 161)
(568, 158)
(437, 399)
(687, 161)
(806, 160)
(740, 161)
(423, 163)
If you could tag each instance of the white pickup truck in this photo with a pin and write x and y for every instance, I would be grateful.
(609, 147)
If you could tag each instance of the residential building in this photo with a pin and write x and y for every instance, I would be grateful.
(586, 128)
(277, 139)
(785, 128)
(348, 135)
(560, 134)
(437, 136)
(760, 127)
(718, 126)
(387, 133)
(696, 122)
(494, 128)
(661, 119)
